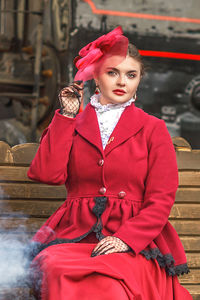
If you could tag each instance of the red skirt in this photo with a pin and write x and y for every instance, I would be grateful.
(68, 272)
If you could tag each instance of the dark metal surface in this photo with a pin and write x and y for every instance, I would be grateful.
(21, 11)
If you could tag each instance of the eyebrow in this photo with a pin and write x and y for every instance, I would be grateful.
(115, 69)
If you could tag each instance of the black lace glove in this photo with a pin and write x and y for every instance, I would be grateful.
(70, 99)
(110, 244)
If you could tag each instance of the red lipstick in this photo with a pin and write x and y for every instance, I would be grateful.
(119, 92)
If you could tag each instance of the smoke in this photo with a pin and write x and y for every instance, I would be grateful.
(14, 275)
(13, 262)
(14, 258)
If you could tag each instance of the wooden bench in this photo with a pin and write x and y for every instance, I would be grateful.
(25, 205)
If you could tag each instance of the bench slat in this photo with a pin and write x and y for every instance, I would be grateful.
(184, 227)
(191, 243)
(188, 160)
(189, 195)
(34, 191)
(39, 191)
(193, 260)
(44, 191)
(21, 225)
(192, 277)
(41, 208)
(189, 178)
(28, 208)
(18, 173)
(180, 211)
(13, 173)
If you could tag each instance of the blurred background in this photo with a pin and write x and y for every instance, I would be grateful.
(40, 38)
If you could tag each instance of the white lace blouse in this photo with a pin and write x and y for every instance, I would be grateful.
(108, 115)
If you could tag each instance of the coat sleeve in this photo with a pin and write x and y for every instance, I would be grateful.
(160, 189)
(50, 162)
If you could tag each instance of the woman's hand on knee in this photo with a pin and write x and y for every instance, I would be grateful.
(110, 244)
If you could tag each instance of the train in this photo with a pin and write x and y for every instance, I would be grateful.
(39, 40)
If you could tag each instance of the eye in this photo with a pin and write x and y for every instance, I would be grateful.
(111, 73)
(131, 75)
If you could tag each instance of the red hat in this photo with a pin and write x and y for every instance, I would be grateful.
(92, 55)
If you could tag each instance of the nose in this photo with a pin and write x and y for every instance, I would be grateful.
(121, 80)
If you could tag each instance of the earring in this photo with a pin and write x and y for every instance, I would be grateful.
(135, 96)
(97, 90)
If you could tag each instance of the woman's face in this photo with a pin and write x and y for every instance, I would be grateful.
(118, 84)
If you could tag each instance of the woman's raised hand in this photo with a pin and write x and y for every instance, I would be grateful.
(70, 99)
(110, 244)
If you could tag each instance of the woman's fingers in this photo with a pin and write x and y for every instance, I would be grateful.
(97, 248)
(101, 243)
(66, 91)
(96, 251)
(79, 89)
(103, 247)
(105, 250)
(77, 85)
(74, 89)
(109, 251)
(76, 92)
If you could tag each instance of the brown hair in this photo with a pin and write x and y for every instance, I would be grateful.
(134, 53)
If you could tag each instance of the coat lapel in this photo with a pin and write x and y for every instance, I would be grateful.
(130, 122)
(88, 127)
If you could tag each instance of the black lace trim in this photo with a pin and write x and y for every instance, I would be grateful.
(100, 206)
(166, 261)
(98, 209)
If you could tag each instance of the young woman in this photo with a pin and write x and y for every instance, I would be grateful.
(111, 239)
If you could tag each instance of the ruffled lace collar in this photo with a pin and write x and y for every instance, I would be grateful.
(94, 101)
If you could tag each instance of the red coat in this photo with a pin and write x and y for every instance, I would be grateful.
(137, 171)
